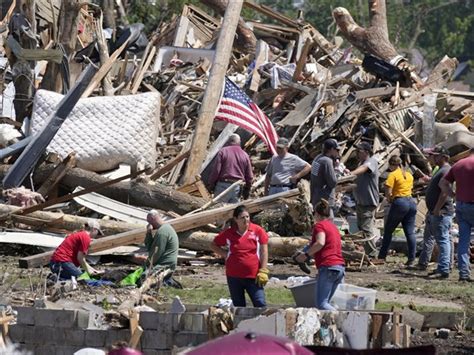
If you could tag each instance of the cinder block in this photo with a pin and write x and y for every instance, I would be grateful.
(156, 340)
(191, 338)
(29, 334)
(157, 321)
(83, 319)
(95, 338)
(49, 335)
(75, 337)
(60, 318)
(16, 333)
(26, 315)
(193, 322)
(156, 352)
(115, 335)
(44, 349)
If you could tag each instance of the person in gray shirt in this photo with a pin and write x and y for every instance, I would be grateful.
(323, 176)
(284, 169)
(366, 194)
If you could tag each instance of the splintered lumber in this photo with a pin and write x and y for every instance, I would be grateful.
(212, 96)
(133, 192)
(58, 173)
(180, 224)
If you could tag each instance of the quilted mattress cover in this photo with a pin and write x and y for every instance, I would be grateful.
(103, 131)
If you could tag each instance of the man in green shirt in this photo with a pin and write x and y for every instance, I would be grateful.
(163, 245)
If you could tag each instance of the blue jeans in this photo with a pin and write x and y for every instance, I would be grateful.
(277, 189)
(238, 286)
(440, 226)
(329, 277)
(402, 210)
(428, 243)
(465, 218)
(65, 270)
(233, 196)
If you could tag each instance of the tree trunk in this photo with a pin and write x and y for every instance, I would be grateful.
(373, 39)
(246, 41)
(108, 7)
(133, 192)
(22, 70)
(65, 221)
(68, 21)
(277, 246)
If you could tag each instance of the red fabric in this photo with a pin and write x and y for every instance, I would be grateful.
(463, 174)
(243, 256)
(331, 253)
(231, 163)
(73, 244)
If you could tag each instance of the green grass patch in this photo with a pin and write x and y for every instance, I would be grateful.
(209, 293)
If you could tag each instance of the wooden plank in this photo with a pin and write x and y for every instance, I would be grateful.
(58, 173)
(396, 336)
(377, 323)
(375, 92)
(170, 165)
(260, 58)
(180, 224)
(465, 94)
(104, 69)
(265, 10)
(142, 71)
(302, 59)
(406, 332)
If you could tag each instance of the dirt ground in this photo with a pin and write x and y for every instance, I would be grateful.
(396, 286)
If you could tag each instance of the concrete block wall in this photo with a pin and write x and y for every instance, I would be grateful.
(48, 331)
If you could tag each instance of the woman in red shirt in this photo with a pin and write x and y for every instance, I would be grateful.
(246, 258)
(327, 252)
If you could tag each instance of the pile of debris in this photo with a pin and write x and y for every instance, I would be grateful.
(138, 111)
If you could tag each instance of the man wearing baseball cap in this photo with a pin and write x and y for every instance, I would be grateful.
(462, 173)
(284, 169)
(366, 194)
(70, 255)
(323, 176)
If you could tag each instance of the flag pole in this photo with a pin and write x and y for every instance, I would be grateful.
(212, 94)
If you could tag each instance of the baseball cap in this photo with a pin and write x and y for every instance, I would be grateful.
(364, 146)
(282, 142)
(331, 144)
(92, 223)
(438, 150)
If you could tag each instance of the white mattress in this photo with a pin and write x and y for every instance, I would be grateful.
(103, 131)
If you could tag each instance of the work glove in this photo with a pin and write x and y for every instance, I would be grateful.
(262, 277)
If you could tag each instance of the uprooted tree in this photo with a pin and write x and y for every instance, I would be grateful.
(374, 40)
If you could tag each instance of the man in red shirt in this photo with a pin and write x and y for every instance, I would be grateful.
(71, 253)
(462, 173)
(246, 258)
(231, 164)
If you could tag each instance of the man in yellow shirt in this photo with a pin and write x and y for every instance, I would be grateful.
(398, 188)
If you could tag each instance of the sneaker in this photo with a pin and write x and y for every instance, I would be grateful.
(302, 266)
(466, 279)
(410, 263)
(438, 275)
(421, 267)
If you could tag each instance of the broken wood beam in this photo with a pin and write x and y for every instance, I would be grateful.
(169, 165)
(58, 173)
(180, 224)
(137, 193)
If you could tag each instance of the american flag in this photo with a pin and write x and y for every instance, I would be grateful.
(237, 108)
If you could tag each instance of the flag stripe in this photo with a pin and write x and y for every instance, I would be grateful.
(237, 108)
